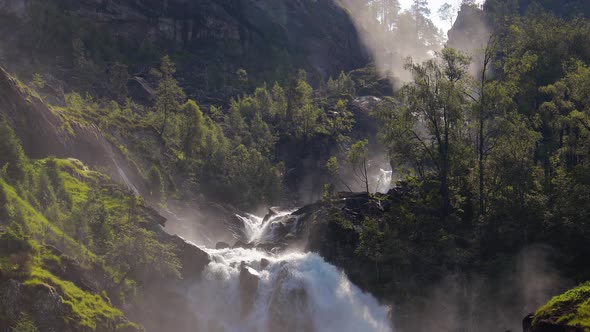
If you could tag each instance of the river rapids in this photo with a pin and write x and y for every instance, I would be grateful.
(250, 290)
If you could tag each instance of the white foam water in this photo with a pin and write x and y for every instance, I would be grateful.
(290, 292)
(295, 292)
(383, 181)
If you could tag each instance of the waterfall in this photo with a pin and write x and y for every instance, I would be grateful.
(250, 290)
(383, 181)
(270, 229)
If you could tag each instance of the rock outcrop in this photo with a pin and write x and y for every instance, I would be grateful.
(43, 132)
(567, 312)
(249, 279)
(217, 36)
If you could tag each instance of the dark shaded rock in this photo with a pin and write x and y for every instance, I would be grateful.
(249, 279)
(152, 216)
(241, 244)
(264, 263)
(222, 245)
(527, 323)
(47, 307)
(271, 213)
(273, 247)
(193, 259)
(470, 31)
(546, 326)
(362, 107)
(216, 36)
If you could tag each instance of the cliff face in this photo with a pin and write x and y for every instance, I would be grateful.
(44, 132)
(213, 38)
(470, 32)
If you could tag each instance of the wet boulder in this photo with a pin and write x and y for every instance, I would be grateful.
(249, 279)
(272, 211)
(264, 263)
(221, 245)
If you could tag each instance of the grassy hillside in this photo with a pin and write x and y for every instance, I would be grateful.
(72, 243)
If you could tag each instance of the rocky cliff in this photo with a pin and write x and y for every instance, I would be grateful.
(211, 39)
(44, 132)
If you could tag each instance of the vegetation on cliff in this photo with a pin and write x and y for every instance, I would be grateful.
(69, 231)
(489, 150)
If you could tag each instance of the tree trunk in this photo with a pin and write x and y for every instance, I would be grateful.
(481, 165)
(366, 176)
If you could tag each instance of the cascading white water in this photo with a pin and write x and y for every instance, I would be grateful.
(249, 290)
(267, 230)
(383, 181)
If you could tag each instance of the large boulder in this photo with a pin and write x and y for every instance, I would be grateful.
(221, 245)
(192, 258)
(567, 312)
(249, 279)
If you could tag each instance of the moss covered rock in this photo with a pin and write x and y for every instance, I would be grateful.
(569, 311)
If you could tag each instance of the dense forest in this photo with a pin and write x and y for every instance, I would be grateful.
(446, 175)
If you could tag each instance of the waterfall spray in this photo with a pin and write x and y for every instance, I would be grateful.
(250, 290)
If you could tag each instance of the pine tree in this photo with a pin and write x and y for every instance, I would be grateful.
(169, 95)
(12, 156)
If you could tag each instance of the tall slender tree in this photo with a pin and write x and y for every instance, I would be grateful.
(169, 95)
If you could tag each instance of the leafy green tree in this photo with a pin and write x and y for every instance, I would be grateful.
(242, 75)
(38, 81)
(3, 206)
(264, 103)
(98, 221)
(156, 183)
(136, 249)
(263, 139)
(341, 86)
(446, 13)
(12, 157)
(385, 11)
(236, 123)
(118, 79)
(513, 176)
(280, 104)
(333, 167)
(44, 191)
(426, 122)
(491, 102)
(307, 120)
(340, 122)
(371, 243)
(194, 130)
(358, 157)
(24, 324)
(169, 95)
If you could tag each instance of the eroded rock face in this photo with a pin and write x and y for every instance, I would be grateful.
(314, 34)
(16, 7)
(43, 133)
(192, 259)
